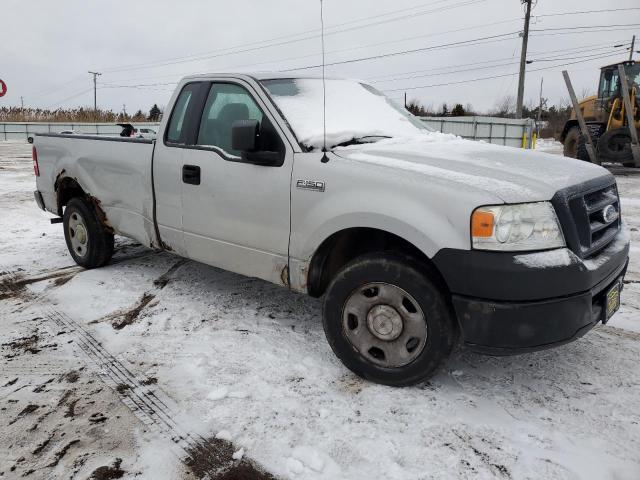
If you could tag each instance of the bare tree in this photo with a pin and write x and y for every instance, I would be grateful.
(505, 107)
(586, 92)
(468, 108)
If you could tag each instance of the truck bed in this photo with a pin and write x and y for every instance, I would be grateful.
(115, 170)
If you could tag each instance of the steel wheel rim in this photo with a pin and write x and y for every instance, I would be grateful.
(385, 324)
(78, 234)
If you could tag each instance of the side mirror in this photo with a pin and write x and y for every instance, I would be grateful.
(244, 135)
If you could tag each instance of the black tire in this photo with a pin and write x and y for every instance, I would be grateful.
(420, 285)
(581, 149)
(97, 248)
(571, 142)
(615, 146)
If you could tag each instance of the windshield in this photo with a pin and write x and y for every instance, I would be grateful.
(356, 113)
(633, 74)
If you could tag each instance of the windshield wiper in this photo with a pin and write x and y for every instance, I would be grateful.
(361, 140)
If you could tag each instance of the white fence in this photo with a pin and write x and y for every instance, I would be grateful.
(501, 131)
(24, 130)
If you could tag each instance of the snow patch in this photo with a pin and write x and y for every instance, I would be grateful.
(514, 175)
(295, 467)
(224, 435)
(310, 457)
(353, 110)
(218, 393)
(561, 257)
(237, 455)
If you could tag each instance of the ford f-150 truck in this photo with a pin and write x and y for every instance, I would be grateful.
(418, 241)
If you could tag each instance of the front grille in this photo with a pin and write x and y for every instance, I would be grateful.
(603, 230)
(580, 211)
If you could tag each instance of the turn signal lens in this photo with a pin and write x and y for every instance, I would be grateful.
(482, 223)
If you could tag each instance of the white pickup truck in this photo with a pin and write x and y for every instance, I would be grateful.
(418, 241)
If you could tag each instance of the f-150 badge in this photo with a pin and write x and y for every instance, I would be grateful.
(310, 185)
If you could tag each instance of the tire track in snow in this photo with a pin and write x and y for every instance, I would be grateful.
(205, 457)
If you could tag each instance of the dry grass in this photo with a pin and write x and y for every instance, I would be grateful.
(17, 114)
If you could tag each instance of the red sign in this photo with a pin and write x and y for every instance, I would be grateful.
(3, 88)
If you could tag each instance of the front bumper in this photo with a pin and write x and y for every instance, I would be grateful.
(504, 307)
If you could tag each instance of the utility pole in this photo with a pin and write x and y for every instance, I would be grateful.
(95, 90)
(124, 110)
(633, 45)
(523, 58)
(21, 103)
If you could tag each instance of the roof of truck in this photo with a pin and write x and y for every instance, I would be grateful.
(260, 75)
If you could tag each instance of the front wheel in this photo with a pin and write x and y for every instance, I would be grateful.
(89, 243)
(388, 320)
(615, 146)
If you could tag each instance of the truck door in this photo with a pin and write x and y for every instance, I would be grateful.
(235, 213)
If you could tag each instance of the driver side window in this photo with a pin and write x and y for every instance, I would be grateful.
(226, 104)
(608, 84)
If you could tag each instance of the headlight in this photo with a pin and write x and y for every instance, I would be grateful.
(522, 227)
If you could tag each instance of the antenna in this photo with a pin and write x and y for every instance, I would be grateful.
(325, 158)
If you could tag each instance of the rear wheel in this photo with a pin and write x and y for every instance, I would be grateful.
(388, 319)
(571, 142)
(89, 243)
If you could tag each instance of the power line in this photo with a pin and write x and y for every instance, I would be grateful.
(281, 37)
(556, 59)
(402, 52)
(395, 79)
(583, 32)
(576, 50)
(586, 26)
(490, 77)
(583, 47)
(57, 88)
(75, 95)
(487, 67)
(584, 12)
(345, 49)
(567, 50)
(261, 45)
(476, 41)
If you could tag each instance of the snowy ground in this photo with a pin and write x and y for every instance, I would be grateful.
(135, 368)
(549, 145)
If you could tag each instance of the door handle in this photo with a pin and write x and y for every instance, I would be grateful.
(191, 174)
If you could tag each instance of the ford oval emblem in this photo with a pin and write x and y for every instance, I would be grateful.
(609, 214)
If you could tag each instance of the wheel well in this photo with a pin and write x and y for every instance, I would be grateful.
(345, 245)
(68, 188)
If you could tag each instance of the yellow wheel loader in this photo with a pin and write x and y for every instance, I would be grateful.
(606, 118)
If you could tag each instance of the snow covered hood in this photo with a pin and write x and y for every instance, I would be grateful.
(514, 175)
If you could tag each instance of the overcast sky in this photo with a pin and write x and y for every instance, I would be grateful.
(46, 47)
